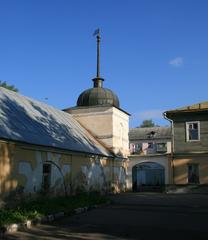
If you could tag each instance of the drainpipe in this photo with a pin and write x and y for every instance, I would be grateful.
(172, 144)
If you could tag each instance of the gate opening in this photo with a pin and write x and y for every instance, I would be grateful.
(148, 176)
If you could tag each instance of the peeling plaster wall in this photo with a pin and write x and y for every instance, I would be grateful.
(33, 175)
(94, 174)
(59, 170)
(21, 166)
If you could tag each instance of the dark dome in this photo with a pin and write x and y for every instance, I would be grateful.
(98, 95)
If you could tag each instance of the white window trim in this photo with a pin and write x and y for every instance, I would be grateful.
(187, 131)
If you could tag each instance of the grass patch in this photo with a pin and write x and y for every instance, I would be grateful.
(44, 205)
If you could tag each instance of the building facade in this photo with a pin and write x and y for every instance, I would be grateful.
(149, 164)
(190, 143)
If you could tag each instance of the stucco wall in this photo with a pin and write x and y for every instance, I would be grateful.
(98, 121)
(21, 167)
(108, 124)
(120, 132)
(163, 160)
(7, 166)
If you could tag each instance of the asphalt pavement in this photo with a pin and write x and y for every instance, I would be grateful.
(131, 216)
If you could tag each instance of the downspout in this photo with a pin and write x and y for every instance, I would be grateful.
(172, 145)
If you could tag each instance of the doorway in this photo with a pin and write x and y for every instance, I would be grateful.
(148, 176)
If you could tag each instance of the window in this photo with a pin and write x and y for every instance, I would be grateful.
(161, 147)
(135, 148)
(46, 176)
(150, 145)
(132, 147)
(192, 131)
(193, 173)
(139, 148)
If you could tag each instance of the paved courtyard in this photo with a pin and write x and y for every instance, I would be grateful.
(132, 216)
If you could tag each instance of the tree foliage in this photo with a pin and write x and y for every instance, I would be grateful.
(4, 84)
(147, 123)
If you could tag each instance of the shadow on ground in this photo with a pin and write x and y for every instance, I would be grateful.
(132, 216)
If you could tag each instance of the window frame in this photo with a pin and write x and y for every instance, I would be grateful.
(187, 131)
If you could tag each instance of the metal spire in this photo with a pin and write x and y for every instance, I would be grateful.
(98, 81)
(98, 54)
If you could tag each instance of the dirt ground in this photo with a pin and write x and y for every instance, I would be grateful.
(132, 216)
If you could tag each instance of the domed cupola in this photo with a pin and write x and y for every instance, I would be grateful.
(98, 96)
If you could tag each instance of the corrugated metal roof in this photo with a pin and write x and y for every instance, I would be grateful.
(194, 107)
(145, 133)
(27, 120)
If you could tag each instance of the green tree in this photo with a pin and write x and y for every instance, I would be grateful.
(147, 123)
(7, 86)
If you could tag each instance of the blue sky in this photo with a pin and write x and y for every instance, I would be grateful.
(154, 53)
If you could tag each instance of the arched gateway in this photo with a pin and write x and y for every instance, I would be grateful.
(148, 176)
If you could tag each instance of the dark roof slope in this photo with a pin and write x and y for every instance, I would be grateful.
(26, 120)
(145, 133)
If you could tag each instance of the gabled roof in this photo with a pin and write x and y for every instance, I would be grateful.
(26, 120)
(202, 106)
(149, 133)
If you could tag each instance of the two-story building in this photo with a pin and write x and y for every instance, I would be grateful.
(149, 163)
(190, 143)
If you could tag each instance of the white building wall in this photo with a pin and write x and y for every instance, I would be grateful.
(108, 124)
(120, 132)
